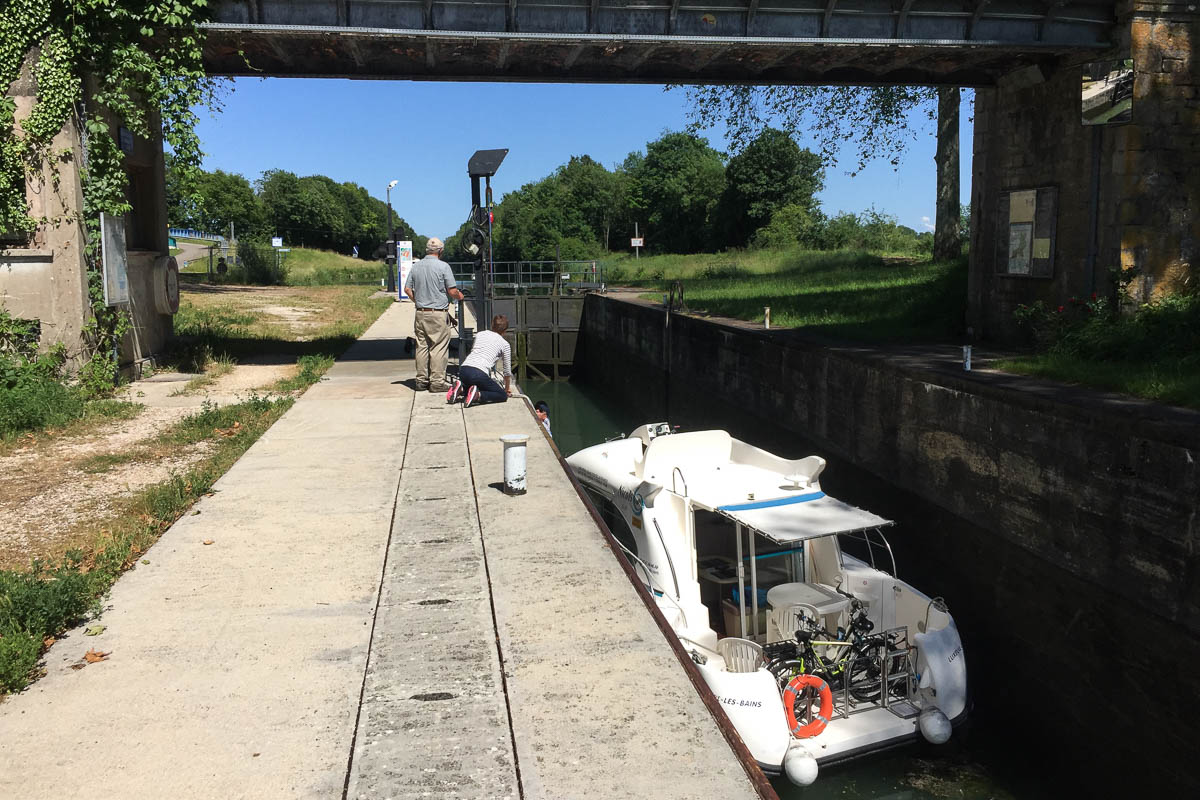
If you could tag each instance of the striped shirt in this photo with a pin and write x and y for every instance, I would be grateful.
(489, 346)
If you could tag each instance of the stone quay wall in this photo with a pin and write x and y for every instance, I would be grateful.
(1061, 526)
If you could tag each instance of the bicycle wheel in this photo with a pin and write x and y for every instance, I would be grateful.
(865, 672)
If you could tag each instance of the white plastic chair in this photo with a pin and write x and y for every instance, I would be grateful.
(741, 655)
(789, 619)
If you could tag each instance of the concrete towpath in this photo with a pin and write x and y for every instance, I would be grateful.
(373, 618)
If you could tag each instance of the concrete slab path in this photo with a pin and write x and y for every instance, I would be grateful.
(373, 618)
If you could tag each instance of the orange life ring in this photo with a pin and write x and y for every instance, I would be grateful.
(822, 717)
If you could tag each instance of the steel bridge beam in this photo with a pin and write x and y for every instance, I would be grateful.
(773, 41)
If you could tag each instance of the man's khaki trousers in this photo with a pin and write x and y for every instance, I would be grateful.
(433, 345)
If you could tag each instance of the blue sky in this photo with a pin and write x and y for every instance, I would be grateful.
(422, 133)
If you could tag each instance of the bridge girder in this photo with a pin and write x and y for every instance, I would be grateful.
(937, 42)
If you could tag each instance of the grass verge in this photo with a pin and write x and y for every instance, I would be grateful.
(844, 294)
(224, 324)
(307, 267)
(1172, 381)
(38, 604)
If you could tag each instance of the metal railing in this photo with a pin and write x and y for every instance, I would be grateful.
(534, 277)
(192, 233)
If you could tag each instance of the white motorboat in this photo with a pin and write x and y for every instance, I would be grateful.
(817, 655)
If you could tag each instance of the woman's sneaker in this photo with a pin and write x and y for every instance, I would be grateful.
(455, 394)
(472, 396)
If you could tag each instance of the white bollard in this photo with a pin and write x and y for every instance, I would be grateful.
(767, 317)
(967, 357)
(514, 462)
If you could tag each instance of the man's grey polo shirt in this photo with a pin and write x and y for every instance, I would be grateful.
(430, 279)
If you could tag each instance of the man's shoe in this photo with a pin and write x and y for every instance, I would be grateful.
(422, 387)
(472, 396)
(455, 393)
(438, 389)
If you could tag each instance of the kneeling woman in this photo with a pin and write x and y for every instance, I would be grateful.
(473, 373)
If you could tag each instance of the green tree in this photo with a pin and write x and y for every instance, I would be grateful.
(538, 220)
(304, 211)
(229, 198)
(876, 120)
(681, 180)
(770, 173)
(595, 192)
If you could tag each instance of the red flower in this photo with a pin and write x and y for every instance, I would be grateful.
(1060, 309)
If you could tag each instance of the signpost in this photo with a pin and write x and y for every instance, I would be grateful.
(276, 241)
(404, 261)
(637, 243)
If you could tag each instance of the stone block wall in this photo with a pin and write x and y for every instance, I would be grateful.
(1157, 158)
(1061, 527)
(1128, 196)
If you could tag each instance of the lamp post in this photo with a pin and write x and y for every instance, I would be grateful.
(390, 257)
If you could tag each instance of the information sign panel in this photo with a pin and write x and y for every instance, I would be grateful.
(112, 257)
(404, 262)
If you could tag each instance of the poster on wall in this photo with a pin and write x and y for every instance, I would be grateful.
(1020, 247)
(112, 260)
(404, 262)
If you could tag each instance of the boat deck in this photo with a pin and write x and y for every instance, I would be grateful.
(374, 618)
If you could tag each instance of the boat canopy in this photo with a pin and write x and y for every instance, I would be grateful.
(802, 516)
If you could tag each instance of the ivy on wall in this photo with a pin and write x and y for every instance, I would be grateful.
(99, 64)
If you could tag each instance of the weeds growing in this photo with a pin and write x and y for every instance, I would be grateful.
(1153, 352)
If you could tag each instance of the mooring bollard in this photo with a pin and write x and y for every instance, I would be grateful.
(767, 317)
(967, 357)
(514, 462)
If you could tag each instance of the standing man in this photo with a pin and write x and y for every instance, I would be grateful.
(431, 287)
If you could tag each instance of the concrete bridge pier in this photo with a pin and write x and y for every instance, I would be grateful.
(1109, 206)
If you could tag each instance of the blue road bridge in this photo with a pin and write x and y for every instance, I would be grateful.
(937, 42)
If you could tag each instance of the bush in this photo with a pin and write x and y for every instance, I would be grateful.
(1165, 330)
(19, 651)
(32, 392)
(790, 226)
(261, 265)
(43, 601)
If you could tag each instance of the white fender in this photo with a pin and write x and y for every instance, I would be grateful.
(943, 667)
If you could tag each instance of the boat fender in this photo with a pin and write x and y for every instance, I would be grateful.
(800, 766)
(821, 718)
(934, 726)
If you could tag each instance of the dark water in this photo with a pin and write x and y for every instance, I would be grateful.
(981, 761)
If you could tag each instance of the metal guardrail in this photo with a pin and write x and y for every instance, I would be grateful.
(191, 233)
(543, 301)
(533, 277)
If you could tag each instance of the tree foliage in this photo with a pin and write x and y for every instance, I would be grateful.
(681, 179)
(875, 119)
(770, 173)
(311, 211)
